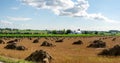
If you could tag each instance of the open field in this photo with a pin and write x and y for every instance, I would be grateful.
(63, 52)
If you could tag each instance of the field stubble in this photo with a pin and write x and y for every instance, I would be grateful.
(64, 52)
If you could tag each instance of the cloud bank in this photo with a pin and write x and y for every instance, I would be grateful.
(67, 8)
(3, 22)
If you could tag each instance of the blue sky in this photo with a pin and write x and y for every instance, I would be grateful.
(60, 14)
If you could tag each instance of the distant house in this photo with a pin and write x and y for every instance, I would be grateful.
(77, 31)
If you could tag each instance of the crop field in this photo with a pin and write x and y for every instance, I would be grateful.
(63, 52)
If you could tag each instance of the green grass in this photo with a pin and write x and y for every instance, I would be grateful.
(10, 60)
(46, 35)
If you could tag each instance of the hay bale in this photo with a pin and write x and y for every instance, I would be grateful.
(17, 40)
(115, 51)
(30, 38)
(39, 56)
(1, 41)
(11, 46)
(11, 41)
(20, 48)
(60, 40)
(113, 39)
(14, 47)
(45, 43)
(36, 41)
(97, 44)
(77, 42)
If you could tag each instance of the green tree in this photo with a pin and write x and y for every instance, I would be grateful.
(54, 32)
(63, 31)
(85, 32)
(96, 32)
(68, 31)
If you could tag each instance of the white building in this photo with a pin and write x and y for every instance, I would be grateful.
(77, 31)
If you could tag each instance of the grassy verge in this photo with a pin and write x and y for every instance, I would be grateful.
(47, 35)
(10, 60)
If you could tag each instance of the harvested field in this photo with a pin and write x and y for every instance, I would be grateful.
(64, 52)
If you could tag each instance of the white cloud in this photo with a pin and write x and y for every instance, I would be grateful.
(19, 18)
(99, 16)
(3, 22)
(14, 8)
(67, 8)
